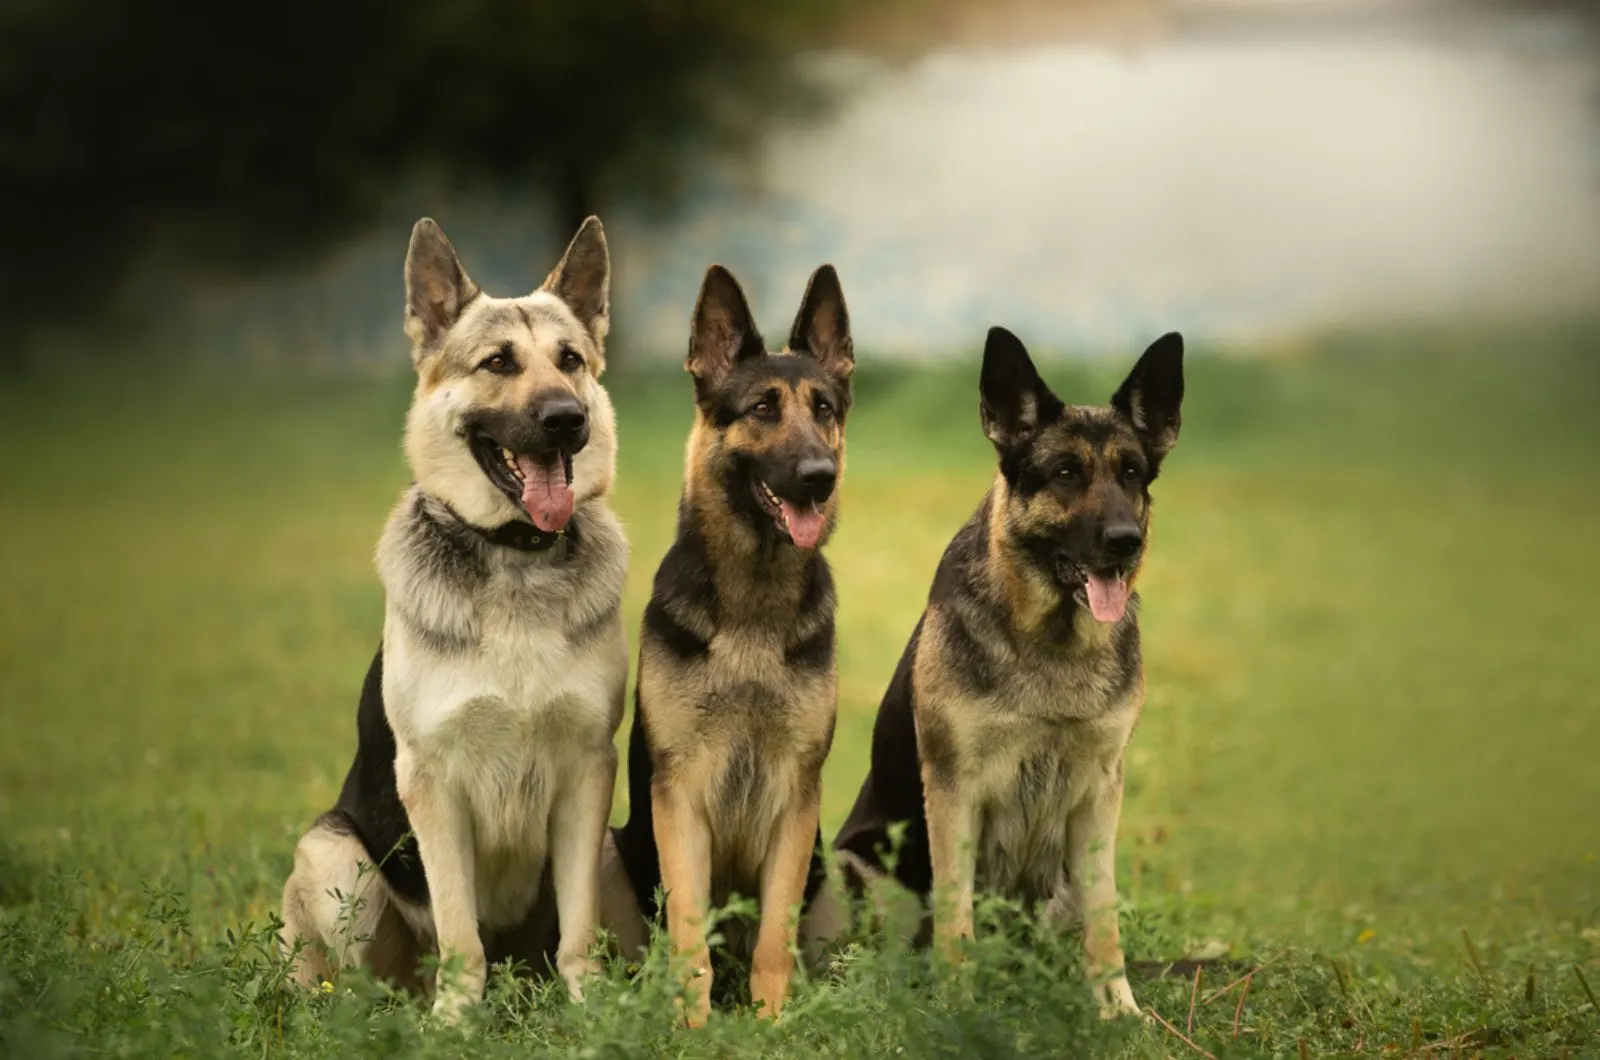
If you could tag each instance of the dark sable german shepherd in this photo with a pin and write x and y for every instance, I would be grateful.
(737, 683)
(1000, 737)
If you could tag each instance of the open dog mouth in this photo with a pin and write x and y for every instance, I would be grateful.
(539, 483)
(800, 523)
(1103, 591)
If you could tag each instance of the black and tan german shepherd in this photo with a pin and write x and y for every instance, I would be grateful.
(737, 687)
(1000, 738)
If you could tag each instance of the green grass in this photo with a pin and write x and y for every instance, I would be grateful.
(1373, 720)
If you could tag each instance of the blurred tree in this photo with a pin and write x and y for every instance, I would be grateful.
(249, 137)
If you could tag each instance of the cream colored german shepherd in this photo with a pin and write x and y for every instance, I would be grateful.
(471, 821)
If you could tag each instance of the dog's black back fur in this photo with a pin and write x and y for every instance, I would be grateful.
(369, 804)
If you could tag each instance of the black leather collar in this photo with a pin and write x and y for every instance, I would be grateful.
(525, 537)
(522, 536)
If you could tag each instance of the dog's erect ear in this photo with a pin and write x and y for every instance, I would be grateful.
(1152, 395)
(822, 327)
(723, 333)
(582, 279)
(437, 287)
(1014, 402)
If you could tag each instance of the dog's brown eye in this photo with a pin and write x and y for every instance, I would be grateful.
(1067, 473)
(763, 409)
(824, 411)
(571, 359)
(500, 363)
(1131, 472)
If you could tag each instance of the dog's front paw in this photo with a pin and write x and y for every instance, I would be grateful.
(952, 948)
(1116, 999)
(577, 969)
(695, 1011)
(450, 1006)
(769, 987)
(694, 1006)
(458, 986)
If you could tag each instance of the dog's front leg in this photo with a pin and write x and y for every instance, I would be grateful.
(783, 888)
(1092, 873)
(683, 840)
(577, 830)
(443, 826)
(952, 850)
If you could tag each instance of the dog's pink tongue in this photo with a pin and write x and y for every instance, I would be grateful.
(1108, 597)
(545, 492)
(805, 524)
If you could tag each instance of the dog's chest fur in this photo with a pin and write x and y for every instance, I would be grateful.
(764, 732)
(503, 675)
(1045, 733)
(738, 687)
(1039, 774)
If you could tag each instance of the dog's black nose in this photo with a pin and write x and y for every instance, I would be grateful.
(818, 476)
(1122, 540)
(562, 419)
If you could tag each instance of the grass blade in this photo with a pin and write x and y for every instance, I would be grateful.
(1238, 1011)
(1176, 1033)
(1477, 962)
(1585, 984)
